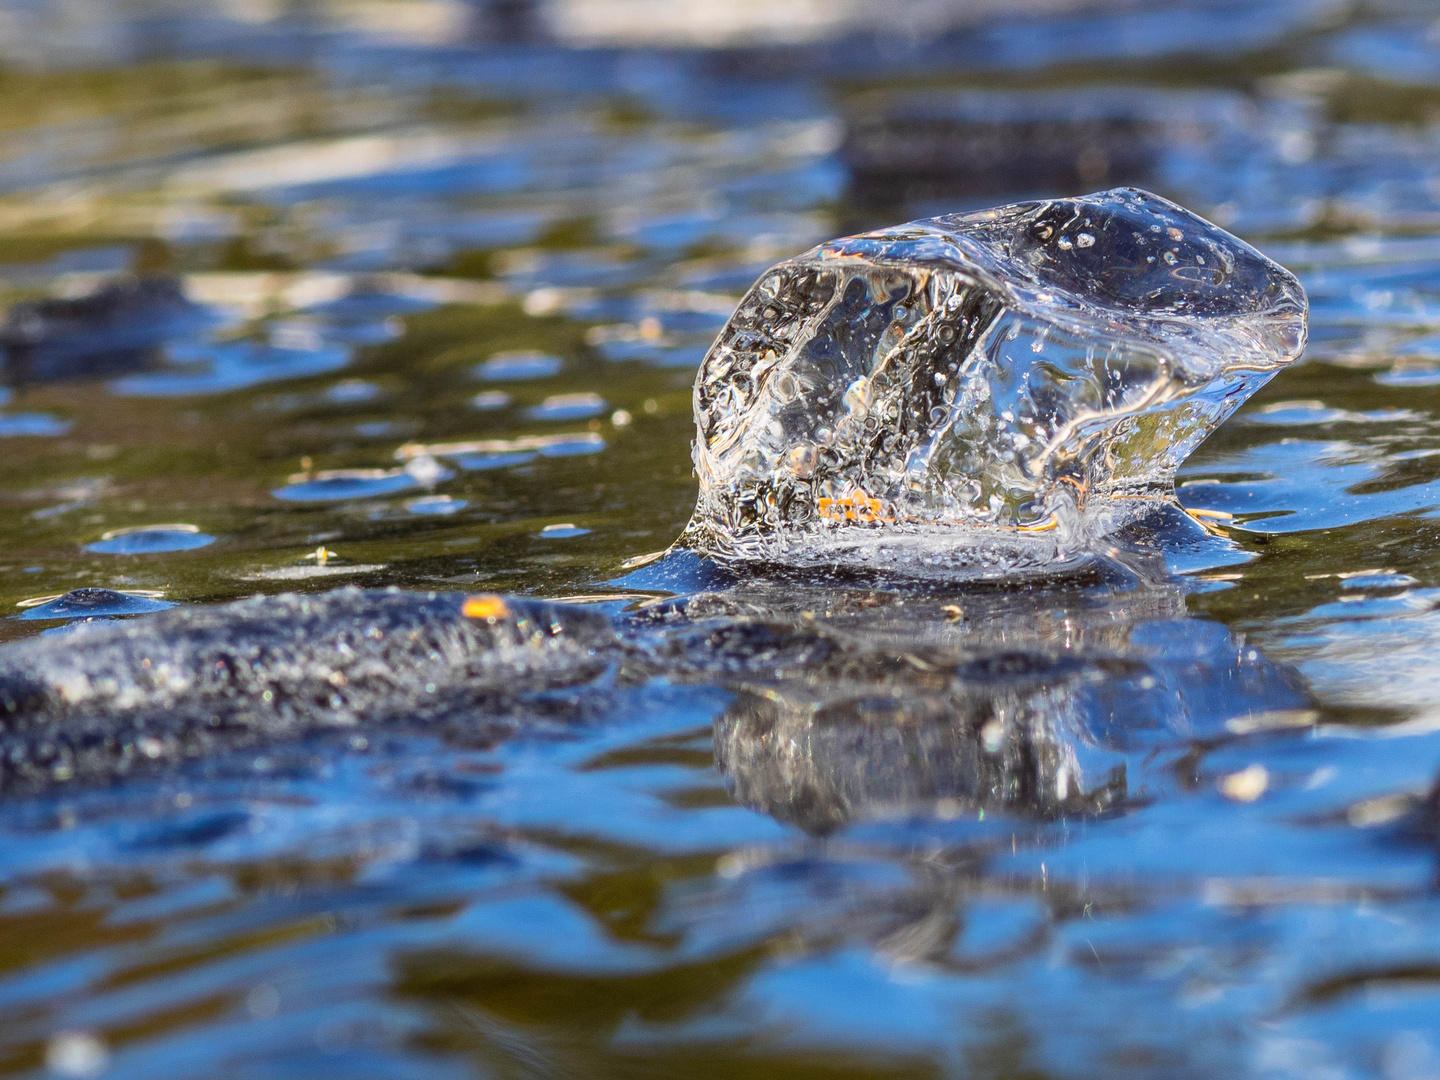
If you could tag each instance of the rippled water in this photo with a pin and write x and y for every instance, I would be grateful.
(441, 279)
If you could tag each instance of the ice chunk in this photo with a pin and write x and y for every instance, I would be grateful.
(199, 681)
(1004, 368)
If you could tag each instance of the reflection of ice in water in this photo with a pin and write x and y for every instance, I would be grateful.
(1029, 703)
(1002, 368)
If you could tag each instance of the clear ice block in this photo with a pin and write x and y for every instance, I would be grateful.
(1011, 368)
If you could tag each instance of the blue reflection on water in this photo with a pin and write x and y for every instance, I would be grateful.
(151, 539)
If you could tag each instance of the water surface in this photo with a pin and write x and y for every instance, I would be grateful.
(444, 294)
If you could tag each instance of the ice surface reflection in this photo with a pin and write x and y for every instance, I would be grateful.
(1044, 706)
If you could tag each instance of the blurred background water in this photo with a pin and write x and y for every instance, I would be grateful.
(304, 293)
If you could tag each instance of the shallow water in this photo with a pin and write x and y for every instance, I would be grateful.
(790, 843)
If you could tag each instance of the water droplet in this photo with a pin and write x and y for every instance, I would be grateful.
(40, 425)
(352, 391)
(436, 505)
(78, 1054)
(150, 539)
(562, 531)
(490, 400)
(580, 406)
(519, 365)
(332, 485)
(485, 462)
(91, 604)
